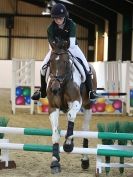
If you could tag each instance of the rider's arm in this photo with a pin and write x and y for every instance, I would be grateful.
(72, 34)
(50, 34)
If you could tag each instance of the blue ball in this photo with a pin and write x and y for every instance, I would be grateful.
(27, 99)
(19, 91)
(131, 93)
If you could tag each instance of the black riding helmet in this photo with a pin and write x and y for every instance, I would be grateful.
(59, 10)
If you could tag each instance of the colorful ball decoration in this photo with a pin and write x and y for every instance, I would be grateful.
(19, 91)
(45, 104)
(131, 93)
(42, 105)
(27, 99)
(117, 104)
(23, 94)
(93, 107)
(131, 102)
(44, 101)
(20, 100)
(100, 107)
(44, 108)
(131, 97)
(26, 91)
(39, 107)
(109, 108)
(101, 100)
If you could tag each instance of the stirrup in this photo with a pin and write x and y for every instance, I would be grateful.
(93, 95)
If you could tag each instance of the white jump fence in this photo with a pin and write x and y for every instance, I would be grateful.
(113, 76)
(23, 74)
(129, 88)
(119, 83)
(100, 151)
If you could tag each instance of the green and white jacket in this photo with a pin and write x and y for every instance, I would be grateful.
(68, 32)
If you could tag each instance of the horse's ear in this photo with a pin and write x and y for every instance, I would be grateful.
(66, 45)
(60, 44)
(53, 44)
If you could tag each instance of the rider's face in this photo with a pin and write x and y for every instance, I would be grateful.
(59, 20)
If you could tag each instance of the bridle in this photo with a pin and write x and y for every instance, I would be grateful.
(62, 79)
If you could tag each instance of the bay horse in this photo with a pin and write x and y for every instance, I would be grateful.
(67, 93)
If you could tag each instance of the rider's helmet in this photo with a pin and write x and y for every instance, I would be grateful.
(59, 10)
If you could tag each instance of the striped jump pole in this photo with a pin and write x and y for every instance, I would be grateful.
(112, 94)
(79, 134)
(76, 150)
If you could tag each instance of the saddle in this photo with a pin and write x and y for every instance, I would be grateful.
(81, 68)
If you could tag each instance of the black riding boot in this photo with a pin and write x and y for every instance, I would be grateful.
(43, 87)
(92, 94)
(42, 92)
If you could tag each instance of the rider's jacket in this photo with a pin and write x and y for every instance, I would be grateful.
(65, 33)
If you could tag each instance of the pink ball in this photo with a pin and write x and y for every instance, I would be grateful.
(117, 104)
(93, 107)
(100, 107)
(20, 100)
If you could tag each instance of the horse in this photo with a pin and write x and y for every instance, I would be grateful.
(67, 93)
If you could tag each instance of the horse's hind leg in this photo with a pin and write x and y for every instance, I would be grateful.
(74, 108)
(55, 165)
(85, 127)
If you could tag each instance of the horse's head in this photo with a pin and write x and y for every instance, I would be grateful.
(59, 44)
(60, 67)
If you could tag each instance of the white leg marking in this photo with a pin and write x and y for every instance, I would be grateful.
(54, 116)
(87, 118)
(86, 126)
(74, 108)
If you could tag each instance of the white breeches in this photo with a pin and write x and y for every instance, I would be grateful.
(45, 61)
(76, 52)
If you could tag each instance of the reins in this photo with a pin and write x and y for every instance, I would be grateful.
(62, 79)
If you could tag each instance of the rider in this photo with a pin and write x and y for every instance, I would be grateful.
(63, 28)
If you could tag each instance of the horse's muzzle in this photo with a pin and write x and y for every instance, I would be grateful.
(55, 87)
(56, 90)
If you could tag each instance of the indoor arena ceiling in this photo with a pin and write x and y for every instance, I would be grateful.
(85, 12)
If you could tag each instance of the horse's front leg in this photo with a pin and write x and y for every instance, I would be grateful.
(74, 108)
(55, 165)
(85, 127)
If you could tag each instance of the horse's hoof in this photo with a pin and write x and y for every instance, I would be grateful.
(85, 164)
(55, 167)
(68, 147)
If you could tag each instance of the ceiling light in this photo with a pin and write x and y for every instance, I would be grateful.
(46, 11)
(51, 3)
(66, 1)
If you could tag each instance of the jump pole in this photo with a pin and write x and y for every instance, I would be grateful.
(112, 94)
(76, 150)
(79, 134)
